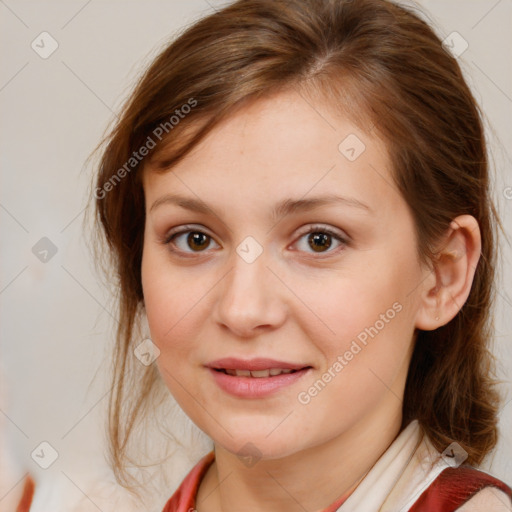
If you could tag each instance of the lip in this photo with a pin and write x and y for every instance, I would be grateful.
(259, 363)
(255, 387)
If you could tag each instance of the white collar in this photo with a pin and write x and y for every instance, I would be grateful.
(400, 475)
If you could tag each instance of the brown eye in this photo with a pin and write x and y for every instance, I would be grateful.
(189, 241)
(198, 241)
(319, 241)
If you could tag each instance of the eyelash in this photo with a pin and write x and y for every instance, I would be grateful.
(312, 229)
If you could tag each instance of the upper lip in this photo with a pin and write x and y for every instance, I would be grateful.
(260, 363)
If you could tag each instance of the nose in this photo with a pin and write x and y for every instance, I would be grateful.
(250, 299)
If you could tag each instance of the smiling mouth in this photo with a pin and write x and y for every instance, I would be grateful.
(258, 374)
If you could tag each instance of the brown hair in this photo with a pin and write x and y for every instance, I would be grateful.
(384, 65)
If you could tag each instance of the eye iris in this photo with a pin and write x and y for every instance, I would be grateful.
(197, 241)
(319, 241)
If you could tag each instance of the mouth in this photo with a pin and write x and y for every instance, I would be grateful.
(255, 378)
(258, 374)
(260, 367)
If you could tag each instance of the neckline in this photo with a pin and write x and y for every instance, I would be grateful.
(184, 499)
(196, 476)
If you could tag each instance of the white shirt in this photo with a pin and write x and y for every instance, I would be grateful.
(402, 474)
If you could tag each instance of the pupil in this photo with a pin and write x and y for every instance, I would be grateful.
(319, 241)
(197, 240)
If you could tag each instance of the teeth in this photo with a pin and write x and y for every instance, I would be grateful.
(257, 373)
(260, 373)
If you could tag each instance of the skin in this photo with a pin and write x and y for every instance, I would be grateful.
(292, 303)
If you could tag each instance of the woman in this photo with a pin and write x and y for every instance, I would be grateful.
(296, 197)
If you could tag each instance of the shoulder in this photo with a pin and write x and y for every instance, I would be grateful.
(465, 488)
(488, 499)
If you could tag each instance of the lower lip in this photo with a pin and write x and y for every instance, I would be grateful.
(255, 387)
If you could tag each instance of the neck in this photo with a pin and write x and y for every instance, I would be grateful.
(311, 479)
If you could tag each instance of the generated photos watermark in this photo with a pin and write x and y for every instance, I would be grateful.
(356, 346)
(150, 143)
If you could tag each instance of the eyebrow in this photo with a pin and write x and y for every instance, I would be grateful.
(281, 209)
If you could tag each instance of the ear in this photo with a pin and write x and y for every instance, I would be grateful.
(447, 288)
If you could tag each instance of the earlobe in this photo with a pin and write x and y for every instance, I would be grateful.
(454, 266)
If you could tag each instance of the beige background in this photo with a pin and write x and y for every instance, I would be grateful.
(55, 317)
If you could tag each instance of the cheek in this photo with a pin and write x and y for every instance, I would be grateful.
(368, 354)
(169, 308)
(167, 298)
(367, 317)
(178, 305)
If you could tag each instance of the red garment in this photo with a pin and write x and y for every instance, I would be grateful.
(450, 490)
(453, 487)
(27, 495)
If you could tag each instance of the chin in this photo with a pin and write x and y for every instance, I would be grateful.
(254, 441)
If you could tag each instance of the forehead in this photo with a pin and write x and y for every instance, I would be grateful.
(281, 146)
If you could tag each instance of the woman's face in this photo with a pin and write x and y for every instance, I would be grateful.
(281, 243)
